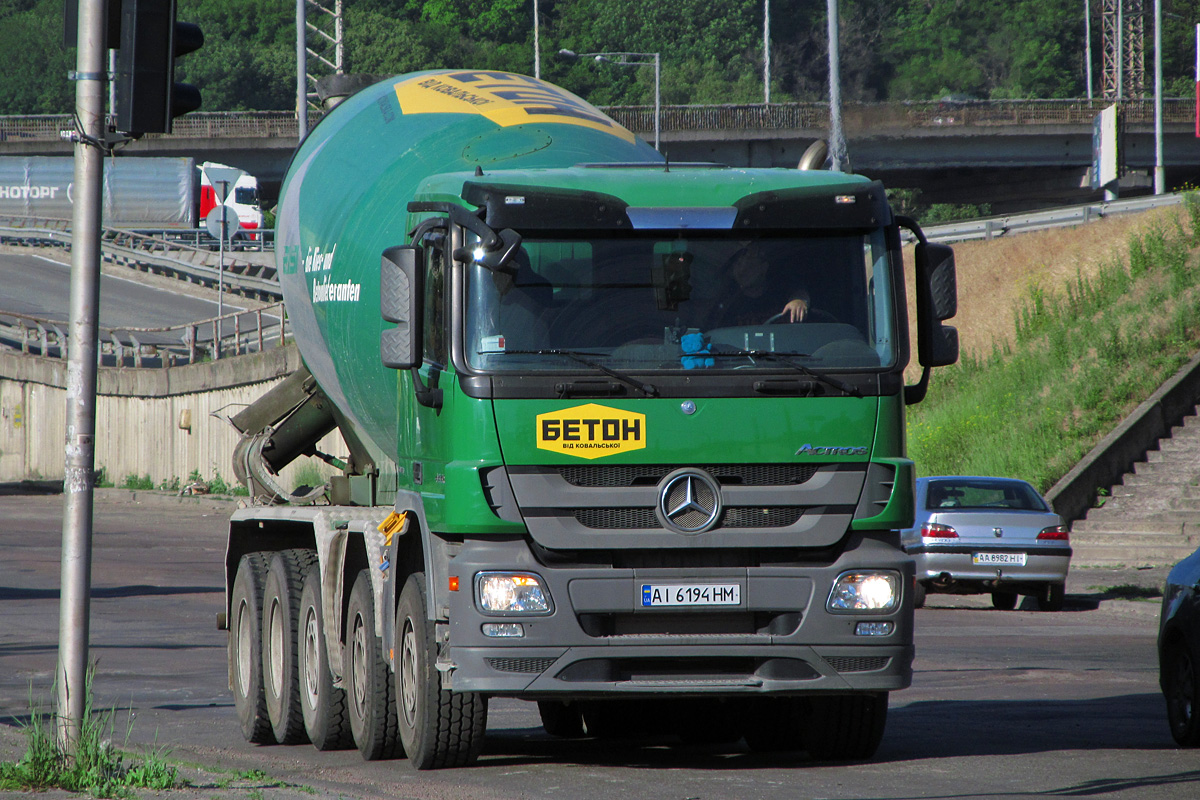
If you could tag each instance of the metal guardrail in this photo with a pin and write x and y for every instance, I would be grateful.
(747, 116)
(987, 228)
(243, 275)
(236, 333)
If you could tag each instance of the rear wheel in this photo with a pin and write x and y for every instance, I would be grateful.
(846, 727)
(1004, 601)
(919, 592)
(1181, 688)
(281, 615)
(438, 728)
(1051, 597)
(245, 649)
(368, 685)
(322, 705)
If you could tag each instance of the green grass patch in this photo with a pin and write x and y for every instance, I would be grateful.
(1085, 355)
(97, 767)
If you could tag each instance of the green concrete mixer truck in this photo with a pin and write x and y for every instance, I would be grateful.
(625, 437)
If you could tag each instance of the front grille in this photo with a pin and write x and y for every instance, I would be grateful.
(530, 665)
(603, 476)
(858, 663)
(617, 518)
(645, 518)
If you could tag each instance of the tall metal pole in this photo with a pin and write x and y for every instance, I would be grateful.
(301, 73)
(837, 139)
(657, 99)
(537, 46)
(1087, 36)
(1120, 50)
(766, 52)
(75, 597)
(1160, 180)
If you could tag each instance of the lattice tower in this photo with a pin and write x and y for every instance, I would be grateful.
(323, 42)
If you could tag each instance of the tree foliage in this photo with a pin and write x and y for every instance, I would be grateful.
(711, 50)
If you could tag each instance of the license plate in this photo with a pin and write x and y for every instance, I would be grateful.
(999, 558)
(691, 594)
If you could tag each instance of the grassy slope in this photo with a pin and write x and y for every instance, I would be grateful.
(1063, 333)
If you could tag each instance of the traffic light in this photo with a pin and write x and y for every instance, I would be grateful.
(148, 97)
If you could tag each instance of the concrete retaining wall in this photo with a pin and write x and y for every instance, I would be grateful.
(138, 417)
(1116, 453)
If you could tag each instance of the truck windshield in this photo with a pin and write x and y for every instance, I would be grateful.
(651, 301)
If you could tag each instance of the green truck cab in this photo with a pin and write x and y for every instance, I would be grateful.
(626, 437)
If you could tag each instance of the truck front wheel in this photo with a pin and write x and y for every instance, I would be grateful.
(846, 727)
(438, 728)
(245, 649)
(368, 688)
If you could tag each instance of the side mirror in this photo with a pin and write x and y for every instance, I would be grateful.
(937, 300)
(937, 263)
(400, 294)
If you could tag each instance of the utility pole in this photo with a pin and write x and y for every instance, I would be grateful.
(76, 574)
(837, 139)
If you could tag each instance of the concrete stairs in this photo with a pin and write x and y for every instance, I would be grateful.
(1153, 515)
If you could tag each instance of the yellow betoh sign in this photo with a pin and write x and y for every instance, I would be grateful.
(591, 431)
(503, 97)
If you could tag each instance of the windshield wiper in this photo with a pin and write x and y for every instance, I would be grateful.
(786, 358)
(645, 388)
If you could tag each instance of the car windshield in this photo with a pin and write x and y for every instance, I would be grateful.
(982, 494)
(661, 301)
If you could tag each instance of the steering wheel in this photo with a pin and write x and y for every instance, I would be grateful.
(774, 318)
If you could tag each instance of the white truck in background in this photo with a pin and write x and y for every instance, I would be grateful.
(155, 193)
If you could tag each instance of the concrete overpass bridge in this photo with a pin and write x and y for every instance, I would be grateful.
(1015, 154)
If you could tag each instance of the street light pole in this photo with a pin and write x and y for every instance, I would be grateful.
(623, 60)
(766, 52)
(1160, 182)
(537, 47)
(74, 619)
(837, 139)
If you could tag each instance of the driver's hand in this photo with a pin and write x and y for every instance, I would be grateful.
(796, 310)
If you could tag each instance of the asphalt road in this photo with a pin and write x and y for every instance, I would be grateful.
(40, 286)
(1017, 704)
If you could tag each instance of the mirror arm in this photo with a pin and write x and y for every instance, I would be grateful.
(916, 393)
(428, 396)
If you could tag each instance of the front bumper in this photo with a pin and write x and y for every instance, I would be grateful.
(600, 642)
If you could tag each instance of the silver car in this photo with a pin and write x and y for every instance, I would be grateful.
(975, 535)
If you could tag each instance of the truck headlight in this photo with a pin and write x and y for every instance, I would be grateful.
(511, 593)
(865, 591)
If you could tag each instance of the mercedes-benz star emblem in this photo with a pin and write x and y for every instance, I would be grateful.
(689, 501)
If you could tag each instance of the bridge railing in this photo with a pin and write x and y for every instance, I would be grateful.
(233, 334)
(251, 274)
(748, 116)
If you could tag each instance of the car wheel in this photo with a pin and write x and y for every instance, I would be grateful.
(919, 592)
(1181, 688)
(1051, 597)
(1004, 601)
